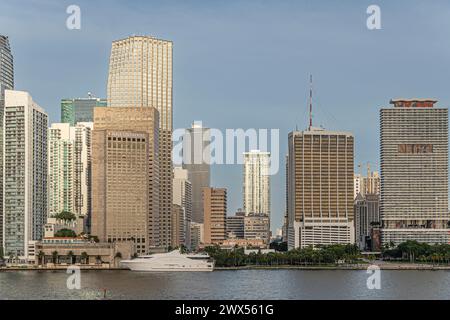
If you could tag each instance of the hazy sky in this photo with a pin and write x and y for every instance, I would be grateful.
(245, 64)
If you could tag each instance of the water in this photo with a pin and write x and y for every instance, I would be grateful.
(236, 284)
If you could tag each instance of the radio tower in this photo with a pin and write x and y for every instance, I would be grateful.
(310, 101)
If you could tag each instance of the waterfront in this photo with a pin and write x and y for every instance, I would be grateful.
(242, 284)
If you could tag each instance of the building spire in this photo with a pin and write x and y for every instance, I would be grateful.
(310, 101)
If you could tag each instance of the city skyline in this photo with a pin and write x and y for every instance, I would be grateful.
(197, 51)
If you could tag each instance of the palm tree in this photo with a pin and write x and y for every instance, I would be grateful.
(70, 255)
(55, 256)
(41, 256)
(84, 257)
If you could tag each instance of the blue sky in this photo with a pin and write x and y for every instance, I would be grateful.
(245, 64)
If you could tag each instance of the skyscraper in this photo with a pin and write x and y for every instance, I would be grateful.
(140, 76)
(182, 196)
(367, 216)
(70, 168)
(320, 188)
(25, 170)
(215, 210)
(196, 159)
(414, 172)
(6, 82)
(125, 176)
(256, 187)
(80, 109)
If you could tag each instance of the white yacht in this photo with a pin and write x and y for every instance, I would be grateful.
(170, 261)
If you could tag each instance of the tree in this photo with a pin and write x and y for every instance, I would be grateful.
(66, 233)
(55, 256)
(70, 255)
(65, 215)
(41, 256)
(84, 257)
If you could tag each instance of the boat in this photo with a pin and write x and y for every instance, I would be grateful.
(170, 261)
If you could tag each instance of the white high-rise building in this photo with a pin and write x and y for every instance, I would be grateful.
(414, 172)
(25, 172)
(256, 187)
(69, 165)
(182, 196)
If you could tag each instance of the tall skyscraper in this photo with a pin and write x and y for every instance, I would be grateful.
(125, 176)
(367, 216)
(80, 109)
(140, 76)
(69, 170)
(25, 170)
(215, 210)
(6, 82)
(414, 172)
(256, 187)
(320, 188)
(196, 158)
(182, 196)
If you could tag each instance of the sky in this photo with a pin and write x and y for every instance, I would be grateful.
(246, 64)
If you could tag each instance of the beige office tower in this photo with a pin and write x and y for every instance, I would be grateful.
(215, 210)
(320, 188)
(414, 172)
(140, 76)
(196, 160)
(125, 176)
(178, 225)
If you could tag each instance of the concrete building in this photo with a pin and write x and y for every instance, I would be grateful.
(320, 188)
(140, 76)
(69, 168)
(235, 225)
(197, 235)
(182, 196)
(215, 210)
(125, 176)
(6, 82)
(367, 216)
(196, 159)
(414, 172)
(178, 226)
(25, 172)
(80, 252)
(369, 184)
(257, 226)
(76, 110)
(256, 186)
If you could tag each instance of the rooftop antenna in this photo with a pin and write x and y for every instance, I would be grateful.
(310, 101)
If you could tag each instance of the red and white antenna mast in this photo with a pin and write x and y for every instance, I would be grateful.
(310, 101)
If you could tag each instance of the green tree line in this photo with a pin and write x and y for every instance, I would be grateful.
(323, 255)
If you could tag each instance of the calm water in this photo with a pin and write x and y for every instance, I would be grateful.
(242, 284)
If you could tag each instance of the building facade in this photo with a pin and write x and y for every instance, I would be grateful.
(367, 216)
(256, 187)
(235, 225)
(6, 83)
(80, 109)
(320, 188)
(125, 176)
(196, 160)
(182, 196)
(69, 166)
(215, 210)
(25, 172)
(257, 226)
(414, 172)
(140, 76)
